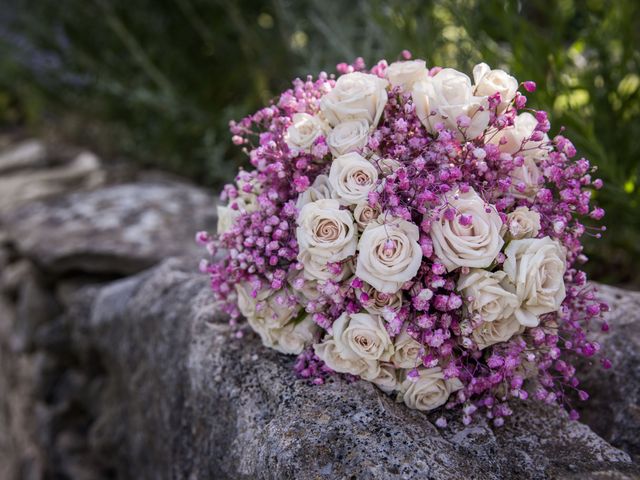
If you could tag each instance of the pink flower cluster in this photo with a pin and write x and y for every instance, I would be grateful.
(411, 228)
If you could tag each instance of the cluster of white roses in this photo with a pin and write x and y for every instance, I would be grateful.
(531, 281)
(340, 234)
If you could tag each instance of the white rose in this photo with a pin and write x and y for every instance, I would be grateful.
(489, 297)
(358, 344)
(226, 218)
(270, 310)
(445, 97)
(522, 223)
(430, 390)
(339, 360)
(351, 178)
(536, 266)
(364, 214)
(355, 95)
(326, 231)
(379, 301)
(307, 292)
(512, 139)
(270, 316)
(245, 203)
(294, 337)
(498, 331)
(348, 136)
(386, 166)
(488, 82)
(405, 74)
(525, 180)
(319, 190)
(315, 268)
(363, 336)
(246, 301)
(304, 130)
(389, 254)
(474, 245)
(387, 379)
(407, 351)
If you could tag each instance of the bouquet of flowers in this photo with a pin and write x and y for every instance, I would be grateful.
(415, 229)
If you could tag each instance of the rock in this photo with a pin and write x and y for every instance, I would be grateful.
(185, 399)
(28, 154)
(613, 411)
(113, 230)
(24, 186)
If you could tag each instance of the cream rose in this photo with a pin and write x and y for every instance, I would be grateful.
(306, 292)
(364, 214)
(355, 95)
(387, 379)
(325, 231)
(525, 180)
(226, 218)
(536, 266)
(304, 130)
(473, 245)
(445, 97)
(246, 301)
(359, 341)
(488, 294)
(386, 166)
(319, 190)
(348, 136)
(270, 316)
(351, 178)
(430, 390)
(498, 331)
(512, 139)
(293, 337)
(389, 254)
(379, 301)
(407, 351)
(316, 268)
(522, 223)
(364, 336)
(405, 74)
(247, 202)
(338, 359)
(488, 82)
(273, 311)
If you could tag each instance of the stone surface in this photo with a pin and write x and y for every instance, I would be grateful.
(613, 410)
(183, 399)
(25, 185)
(113, 230)
(27, 154)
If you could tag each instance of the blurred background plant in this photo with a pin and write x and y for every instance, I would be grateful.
(156, 81)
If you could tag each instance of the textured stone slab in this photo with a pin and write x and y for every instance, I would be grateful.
(184, 399)
(115, 230)
(613, 410)
(20, 187)
(27, 154)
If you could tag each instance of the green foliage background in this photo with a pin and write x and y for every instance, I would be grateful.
(157, 81)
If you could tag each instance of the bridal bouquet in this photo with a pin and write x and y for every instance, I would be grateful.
(414, 228)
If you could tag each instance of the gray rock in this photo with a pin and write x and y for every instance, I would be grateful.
(27, 154)
(23, 186)
(613, 411)
(184, 399)
(113, 230)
